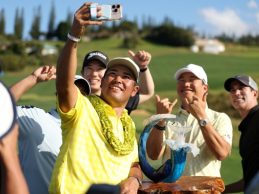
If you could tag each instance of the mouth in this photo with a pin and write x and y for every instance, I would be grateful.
(186, 91)
(116, 88)
(93, 81)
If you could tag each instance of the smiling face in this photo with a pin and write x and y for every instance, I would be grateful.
(118, 85)
(94, 73)
(189, 85)
(242, 97)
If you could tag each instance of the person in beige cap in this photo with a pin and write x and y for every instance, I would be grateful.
(243, 93)
(211, 131)
(99, 144)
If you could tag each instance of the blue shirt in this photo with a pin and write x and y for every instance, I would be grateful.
(39, 141)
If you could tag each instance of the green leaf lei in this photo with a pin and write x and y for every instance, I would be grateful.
(122, 148)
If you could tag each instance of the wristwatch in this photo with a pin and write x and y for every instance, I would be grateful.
(203, 122)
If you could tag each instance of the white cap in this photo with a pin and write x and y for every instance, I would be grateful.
(8, 110)
(197, 70)
(127, 62)
(86, 85)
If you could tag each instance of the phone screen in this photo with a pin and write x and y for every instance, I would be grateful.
(106, 12)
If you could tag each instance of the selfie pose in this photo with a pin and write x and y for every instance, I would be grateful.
(99, 144)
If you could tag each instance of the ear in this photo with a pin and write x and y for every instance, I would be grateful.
(134, 91)
(255, 93)
(206, 88)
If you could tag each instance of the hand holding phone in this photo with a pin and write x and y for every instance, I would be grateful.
(108, 12)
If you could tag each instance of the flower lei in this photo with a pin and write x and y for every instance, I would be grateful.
(122, 148)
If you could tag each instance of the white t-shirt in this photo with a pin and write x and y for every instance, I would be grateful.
(39, 141)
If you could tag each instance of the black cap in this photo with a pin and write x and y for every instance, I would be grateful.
(96, 55)
(244, 79)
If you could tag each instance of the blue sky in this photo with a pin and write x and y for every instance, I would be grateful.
(208, 17)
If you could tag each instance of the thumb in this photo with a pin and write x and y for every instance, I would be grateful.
(186, 101)
(174, 102)
(157, 98)
(131, 53)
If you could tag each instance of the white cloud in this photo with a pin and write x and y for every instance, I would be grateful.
(226, 21)
(252, 4)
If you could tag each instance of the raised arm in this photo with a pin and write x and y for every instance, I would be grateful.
(41, 74)
(67, 62)
(155, 148)
(146, 83)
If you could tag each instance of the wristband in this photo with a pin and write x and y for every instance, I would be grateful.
(143, 70)
(159, 127)
(73, 38)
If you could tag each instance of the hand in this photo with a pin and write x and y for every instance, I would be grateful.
(82, 18)
(142, 58)
(45, 73)
(164, 106)
(129, 186)
(196, 107)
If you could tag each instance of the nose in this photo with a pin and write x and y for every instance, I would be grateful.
(118, 78)
(235, 91)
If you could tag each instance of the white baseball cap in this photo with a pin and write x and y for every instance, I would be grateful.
(127, 62)
(197, 70)
(86, 86)
(8, 112)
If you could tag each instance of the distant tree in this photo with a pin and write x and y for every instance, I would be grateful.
(129, 31)
(51, 25)
(226, 38)
(249, 40)
(169, 34)
(35, 28)
(2, 22)
(18, 23)
(69, 19)
(21, 20)
(62, 31)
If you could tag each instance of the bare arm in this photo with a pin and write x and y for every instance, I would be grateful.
(12, 179)
(67, 62)
(41, 74)
(216, 143)
(146, 83)
(131, 184)
(155, 148)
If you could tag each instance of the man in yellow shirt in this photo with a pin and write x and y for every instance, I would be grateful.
(99, 143)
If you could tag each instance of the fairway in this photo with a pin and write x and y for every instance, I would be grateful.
(165, 61)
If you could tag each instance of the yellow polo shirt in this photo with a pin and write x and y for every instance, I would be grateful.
(85, 155)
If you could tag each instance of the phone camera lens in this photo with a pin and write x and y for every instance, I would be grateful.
(118, 6)
(113, 6)
(115, 10)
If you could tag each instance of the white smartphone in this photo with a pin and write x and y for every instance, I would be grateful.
(109, 12)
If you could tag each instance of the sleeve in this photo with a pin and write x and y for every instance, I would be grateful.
(132, 103)
(224, 127)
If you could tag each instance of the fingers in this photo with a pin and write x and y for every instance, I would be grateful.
(174, 103)
(131, 53)
(82, 18)
(143, 55)
(164, 106)
(157, 98)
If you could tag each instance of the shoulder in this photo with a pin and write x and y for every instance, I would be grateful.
(218, 115)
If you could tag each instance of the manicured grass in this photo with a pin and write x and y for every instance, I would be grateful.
(165, 61)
